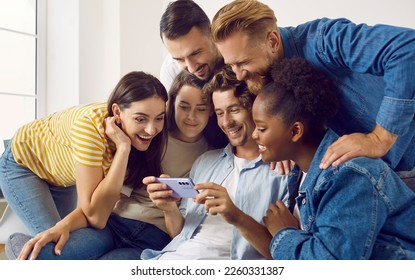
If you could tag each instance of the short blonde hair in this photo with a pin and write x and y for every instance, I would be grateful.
(249, 16)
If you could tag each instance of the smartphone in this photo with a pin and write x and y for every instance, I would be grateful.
(182, 187)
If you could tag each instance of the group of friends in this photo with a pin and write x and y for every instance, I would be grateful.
(300, 141)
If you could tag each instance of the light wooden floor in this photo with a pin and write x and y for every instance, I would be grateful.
(2, 253)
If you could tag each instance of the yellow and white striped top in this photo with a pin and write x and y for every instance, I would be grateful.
(50, 146)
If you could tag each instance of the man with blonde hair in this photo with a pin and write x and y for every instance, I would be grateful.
(372, 66)
(244, 25)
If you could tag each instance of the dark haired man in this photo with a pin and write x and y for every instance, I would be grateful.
(185, 32)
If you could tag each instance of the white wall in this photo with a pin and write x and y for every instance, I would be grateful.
(294, 12)
(92, 43)
(62, 52)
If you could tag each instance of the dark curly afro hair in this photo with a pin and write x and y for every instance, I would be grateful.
(299, 92)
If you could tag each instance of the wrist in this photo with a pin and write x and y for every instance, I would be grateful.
(124, 148)
(63, 224)
(385, 138)
(170, 211)
(238, 219)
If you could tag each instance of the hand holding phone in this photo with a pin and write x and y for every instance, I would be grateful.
(182, 187)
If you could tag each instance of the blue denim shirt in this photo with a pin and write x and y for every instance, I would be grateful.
(358, 210)
(374, 69)
(258, 187)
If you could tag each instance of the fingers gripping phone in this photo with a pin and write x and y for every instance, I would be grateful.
(182, 187)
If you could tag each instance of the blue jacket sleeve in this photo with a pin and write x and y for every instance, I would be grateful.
(380, 50)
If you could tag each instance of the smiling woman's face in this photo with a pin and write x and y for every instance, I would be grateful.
(191, 113)
(143, 120)
(271, 134)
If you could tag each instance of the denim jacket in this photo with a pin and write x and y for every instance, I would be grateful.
(373, 68)
(258, 187)
(358, 210)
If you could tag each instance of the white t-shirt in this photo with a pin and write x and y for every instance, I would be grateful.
(168, 71)
(213, 238)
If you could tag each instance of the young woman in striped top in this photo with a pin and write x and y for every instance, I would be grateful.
(66, 171)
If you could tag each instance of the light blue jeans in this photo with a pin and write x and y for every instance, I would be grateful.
(121, 239)
(38, 204)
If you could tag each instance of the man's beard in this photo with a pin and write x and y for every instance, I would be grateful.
(255, 86)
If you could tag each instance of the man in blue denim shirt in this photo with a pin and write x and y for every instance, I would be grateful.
(373, 68)
(359, 209)
(236, 184)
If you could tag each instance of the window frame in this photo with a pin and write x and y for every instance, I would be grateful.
(39, 95)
